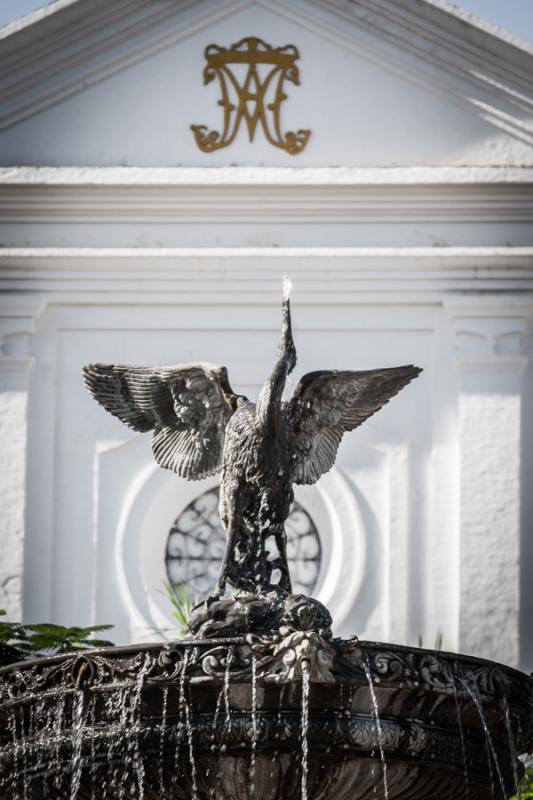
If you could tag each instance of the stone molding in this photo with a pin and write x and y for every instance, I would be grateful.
(317, 203)
(238, 207)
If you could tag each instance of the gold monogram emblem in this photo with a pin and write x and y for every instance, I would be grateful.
(257, 99)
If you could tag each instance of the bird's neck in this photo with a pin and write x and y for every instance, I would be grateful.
(268, 408)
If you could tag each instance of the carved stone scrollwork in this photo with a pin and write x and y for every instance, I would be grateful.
(285, 633)
(302, 642)
(279, 659)
(285, 660)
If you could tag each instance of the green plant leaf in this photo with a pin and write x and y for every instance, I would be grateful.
(50, 638)
(182, 603)
(97, 628)
(526, 787)
(90, 643)
(49, 628)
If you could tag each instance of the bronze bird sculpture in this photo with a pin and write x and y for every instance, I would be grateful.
(201, 427)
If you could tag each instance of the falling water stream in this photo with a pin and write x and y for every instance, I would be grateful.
(92, 722)
(78, 721)
(218, 706)
(136, 721)
(54, 768)
(181, 712)
(379, 729)
(462, 737)
(305, 726)
(185, 721)
(475, 699)
(13, 730)
(162, 732)
(254, 727)
(512, 747)
(189, 730)
(229, 659)
(24, 752)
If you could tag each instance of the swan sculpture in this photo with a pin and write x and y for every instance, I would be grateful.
(201, 427)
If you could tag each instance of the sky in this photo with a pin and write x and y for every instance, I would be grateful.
(515, 16)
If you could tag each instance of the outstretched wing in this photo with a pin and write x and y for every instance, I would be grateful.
(327, 404)
(187, 406)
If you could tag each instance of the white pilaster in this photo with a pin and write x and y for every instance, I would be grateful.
(15, 360)
(490, 356)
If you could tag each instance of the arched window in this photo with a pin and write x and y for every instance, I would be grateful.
(196, 542)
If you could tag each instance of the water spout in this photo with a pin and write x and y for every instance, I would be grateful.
(287, 288)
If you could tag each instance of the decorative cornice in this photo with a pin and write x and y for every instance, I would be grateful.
(192, 275)
(276, 196)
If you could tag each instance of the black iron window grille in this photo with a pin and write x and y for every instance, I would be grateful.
(196, 542)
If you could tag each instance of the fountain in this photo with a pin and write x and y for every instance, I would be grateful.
(260, 701)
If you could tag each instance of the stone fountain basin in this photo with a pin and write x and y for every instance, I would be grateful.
(129, 720)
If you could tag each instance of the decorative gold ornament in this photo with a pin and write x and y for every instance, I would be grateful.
(258, 99)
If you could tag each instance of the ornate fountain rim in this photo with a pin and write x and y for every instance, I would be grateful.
(389, 665)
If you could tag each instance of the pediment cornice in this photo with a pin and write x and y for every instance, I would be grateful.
(75, 44)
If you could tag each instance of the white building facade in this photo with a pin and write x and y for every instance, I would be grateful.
(405, 223)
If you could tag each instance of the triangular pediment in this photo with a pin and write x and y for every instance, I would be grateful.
(380, 83)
